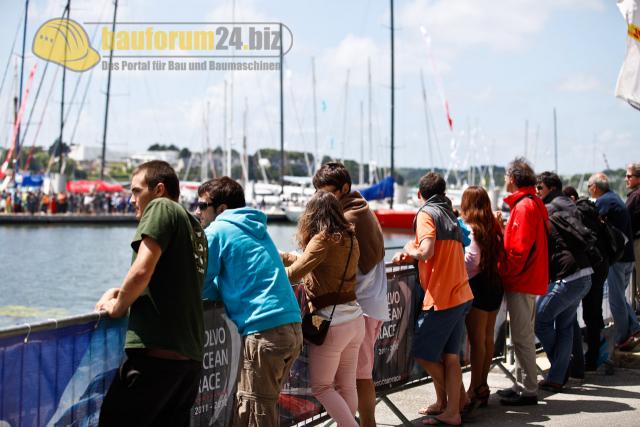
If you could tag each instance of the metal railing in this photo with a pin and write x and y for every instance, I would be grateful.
(28, 361)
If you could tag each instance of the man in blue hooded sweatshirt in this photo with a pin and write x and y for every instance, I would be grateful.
(245, 272)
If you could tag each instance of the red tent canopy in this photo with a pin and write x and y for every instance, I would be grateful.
(84, 186)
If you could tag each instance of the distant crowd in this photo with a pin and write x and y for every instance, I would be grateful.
(555, 251)
(38, 202)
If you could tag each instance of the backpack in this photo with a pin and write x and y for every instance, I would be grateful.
(611, 241)
(616, 241)
(578, 238)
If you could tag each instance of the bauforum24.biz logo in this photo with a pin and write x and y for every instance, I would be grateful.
(160, 46)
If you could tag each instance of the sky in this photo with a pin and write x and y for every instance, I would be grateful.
(501, 66)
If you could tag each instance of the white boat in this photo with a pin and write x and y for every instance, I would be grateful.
(294, 212)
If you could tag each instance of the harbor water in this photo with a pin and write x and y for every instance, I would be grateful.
(55, 271)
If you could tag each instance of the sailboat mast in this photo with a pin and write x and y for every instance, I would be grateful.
(361, 168)
(230, 130)
(64, 78)
(426, 120)
(15, 97)
(281, 113)
(392, 102)
(106, 108)
(526, 138)
(346, 110)
(225, 142)
(370, 122)
(230, 136)
(316, 159)
(24, 42)
(211, 162)
(245, 155)
(555, 139)
(535, 146)
(204, 159)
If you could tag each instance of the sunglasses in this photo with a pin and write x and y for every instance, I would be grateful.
(631, 176)
(539, 187)
(203, 205)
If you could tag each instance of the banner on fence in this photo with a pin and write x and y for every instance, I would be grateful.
(59, 376)
(393, 363)
(393, 360)
(214, 405)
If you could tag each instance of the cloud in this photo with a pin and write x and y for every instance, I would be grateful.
(352, 51)
(248, 12)
(484, 94)
(579, 83)
(81, 10)
(466, 23)
(594, 5)
(614, 138)
(499, 25)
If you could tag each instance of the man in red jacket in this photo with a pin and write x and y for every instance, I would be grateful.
(525, 274)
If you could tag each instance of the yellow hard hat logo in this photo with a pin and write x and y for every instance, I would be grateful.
(65, 42)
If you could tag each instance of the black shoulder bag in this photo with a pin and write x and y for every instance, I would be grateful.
(316, 327)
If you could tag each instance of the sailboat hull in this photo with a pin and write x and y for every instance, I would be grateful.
(391, 218)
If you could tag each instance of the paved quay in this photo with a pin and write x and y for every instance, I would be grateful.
(13, 219)
(599, 400)
(94, 219)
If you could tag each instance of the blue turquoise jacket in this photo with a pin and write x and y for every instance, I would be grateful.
(246, 273)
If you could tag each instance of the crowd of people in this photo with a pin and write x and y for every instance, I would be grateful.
(555, 251)
(467, 261)
(38, 202)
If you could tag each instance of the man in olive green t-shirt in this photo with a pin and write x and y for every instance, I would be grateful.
(158, 381)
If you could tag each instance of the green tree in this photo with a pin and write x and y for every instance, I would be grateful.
(54, 149)
(185, 153)
(162, 147)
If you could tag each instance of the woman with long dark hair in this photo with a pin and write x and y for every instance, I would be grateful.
(328, 266)
(481, 259)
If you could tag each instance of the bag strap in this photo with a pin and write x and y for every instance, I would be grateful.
(529, 196)
(343, 277)
(547, 232)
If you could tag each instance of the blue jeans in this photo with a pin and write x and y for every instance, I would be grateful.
(555, 314)
(624, 318)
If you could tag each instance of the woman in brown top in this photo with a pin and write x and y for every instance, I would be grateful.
(327, 239)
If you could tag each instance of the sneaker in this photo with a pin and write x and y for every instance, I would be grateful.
(519, 400)
(550, 386)
(507, 392)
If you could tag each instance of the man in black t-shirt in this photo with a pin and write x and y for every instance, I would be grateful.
(157, 382)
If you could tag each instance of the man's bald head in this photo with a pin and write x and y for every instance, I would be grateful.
(598, 184)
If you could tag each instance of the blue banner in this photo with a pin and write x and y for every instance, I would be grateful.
(30, 180)
(381, 190)
(59, 376)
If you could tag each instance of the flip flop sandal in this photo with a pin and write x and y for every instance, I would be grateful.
(433, 421)
(427, 411)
